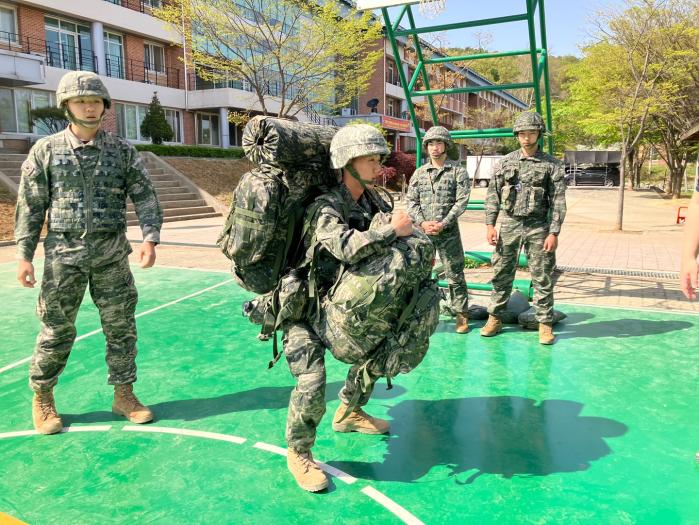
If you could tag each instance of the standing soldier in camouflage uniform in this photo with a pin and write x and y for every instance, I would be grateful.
(340, 226)
(81, 177)
(437, 196)
(529, 188)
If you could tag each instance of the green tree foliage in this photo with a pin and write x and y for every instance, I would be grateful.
(49, 120)
(155, 126)
(292, 54)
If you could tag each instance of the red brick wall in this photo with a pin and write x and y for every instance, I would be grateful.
(110, 122)
(30, 24)
(377, 85)
(189, 131)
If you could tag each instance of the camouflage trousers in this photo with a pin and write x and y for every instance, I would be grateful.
(515, 233)
(62, 290)
(305, 355)
(451, 254)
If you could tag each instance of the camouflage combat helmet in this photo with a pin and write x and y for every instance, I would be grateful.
(529, 120)
(81, 84)
(442, 134)
(355, 141)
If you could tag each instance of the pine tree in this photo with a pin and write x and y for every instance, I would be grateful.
(155, 125)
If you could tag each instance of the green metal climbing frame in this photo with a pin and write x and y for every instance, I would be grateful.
(537, 51)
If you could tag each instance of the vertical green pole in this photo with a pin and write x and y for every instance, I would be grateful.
(401, 75)
(547, 86)
(425, 76)
(533, 54)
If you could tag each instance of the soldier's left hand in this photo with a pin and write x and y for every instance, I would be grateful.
(550, 243)
(147, 254)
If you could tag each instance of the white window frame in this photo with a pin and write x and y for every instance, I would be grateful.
(122, 55)
(179, 132)
(15, 33)
(197, 121)
(152, 66)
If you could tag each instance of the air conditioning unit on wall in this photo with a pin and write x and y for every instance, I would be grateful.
(347, 112)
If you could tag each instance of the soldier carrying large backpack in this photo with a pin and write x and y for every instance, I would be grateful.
(350, 227)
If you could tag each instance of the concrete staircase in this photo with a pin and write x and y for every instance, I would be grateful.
(179, 198)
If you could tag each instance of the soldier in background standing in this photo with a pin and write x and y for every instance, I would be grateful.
(81, 177)
(528, 187)
(437, 196)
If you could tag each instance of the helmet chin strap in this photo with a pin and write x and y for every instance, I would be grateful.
(89, 124)
(352, 171)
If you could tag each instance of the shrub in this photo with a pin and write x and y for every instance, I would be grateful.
(155, 125)
(191, 151)
(50, 119)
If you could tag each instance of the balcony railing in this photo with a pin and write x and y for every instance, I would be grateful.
(54, 53)
(139, 71)
(144, 6)
(76, 59)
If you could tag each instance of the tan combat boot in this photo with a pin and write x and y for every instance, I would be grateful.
(492, 327)
(46, 419)
(462, 324)
(546, 336)
(358, 421)
(307, 474)
(127, 404)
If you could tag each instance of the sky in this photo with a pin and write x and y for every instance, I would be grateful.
(568, 23)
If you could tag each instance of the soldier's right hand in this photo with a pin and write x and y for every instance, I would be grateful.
(402, 223)
(492, 235)
(25, 274)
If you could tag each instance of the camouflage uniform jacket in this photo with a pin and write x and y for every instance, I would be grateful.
(83, 188)
(527, 188)
(438, 194)
(339, 234)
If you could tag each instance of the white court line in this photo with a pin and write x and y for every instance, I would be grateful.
(27, 359)
(19, 433)
(22, 433)
(392, 506)
(337, 473)
(371, 492)
(270, 448)
(186, 432)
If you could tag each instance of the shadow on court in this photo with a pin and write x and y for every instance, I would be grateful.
(507, 436)
(573, 327)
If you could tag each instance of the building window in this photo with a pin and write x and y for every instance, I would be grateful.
(114, 54)
(174, 118)
(393, 107)
(15, 107)
(154, 57)
(392, 74)
(207, 129)
(8, 25)
(68, 45)
(130, 117)
(153, 4)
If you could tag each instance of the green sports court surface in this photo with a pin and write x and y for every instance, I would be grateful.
(600, 428)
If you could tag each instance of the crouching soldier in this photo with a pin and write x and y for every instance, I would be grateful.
(81, 178)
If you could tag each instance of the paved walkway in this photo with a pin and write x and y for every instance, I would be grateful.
(635, 268)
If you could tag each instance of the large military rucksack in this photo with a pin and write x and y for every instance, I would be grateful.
(384, 308)
(263, 228)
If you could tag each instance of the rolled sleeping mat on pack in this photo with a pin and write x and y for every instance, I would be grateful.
(287, 144)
